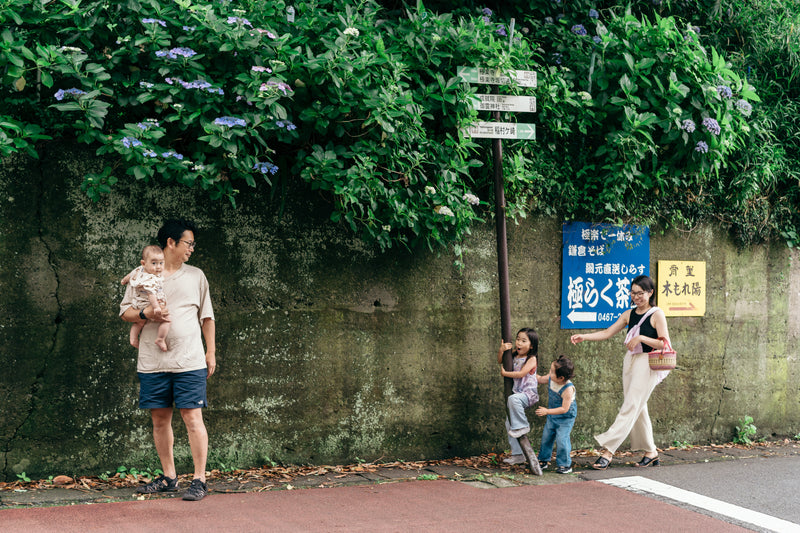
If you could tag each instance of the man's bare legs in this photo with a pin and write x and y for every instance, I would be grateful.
(164, 439)
(198, 440)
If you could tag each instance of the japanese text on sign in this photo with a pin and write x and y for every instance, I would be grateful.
(599, 263)
(682, 288)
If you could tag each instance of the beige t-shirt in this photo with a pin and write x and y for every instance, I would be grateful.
(189, 303)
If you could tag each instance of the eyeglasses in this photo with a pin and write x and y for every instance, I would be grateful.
(636, 293)
(190, 244)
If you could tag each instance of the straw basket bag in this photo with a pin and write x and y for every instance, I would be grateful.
(663, 359)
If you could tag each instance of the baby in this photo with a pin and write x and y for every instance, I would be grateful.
(146, 282)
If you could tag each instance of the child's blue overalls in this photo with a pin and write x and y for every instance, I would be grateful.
(558, 427)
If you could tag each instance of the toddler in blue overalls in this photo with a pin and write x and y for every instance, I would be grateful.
(561, 411)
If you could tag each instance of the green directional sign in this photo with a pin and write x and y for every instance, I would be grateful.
(491, 76)
(502, 130)
(502, 103)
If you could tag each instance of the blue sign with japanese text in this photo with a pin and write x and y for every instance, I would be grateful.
(599, 263)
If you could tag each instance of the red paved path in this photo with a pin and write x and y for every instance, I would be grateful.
(428, 506)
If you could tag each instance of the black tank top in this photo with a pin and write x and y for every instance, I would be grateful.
(646, 328)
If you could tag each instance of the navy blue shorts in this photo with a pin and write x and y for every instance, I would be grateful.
(187, 390)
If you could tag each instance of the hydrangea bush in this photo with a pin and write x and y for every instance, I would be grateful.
(365, 105)
(658, 113)
(220, 94)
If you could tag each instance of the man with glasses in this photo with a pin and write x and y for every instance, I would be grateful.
(177, 376)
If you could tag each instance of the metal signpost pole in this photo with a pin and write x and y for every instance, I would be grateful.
(497, 131)
(502, 254)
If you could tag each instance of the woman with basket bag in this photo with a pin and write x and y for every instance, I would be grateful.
(647, 331)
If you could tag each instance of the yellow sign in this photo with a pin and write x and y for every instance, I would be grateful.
(682, 288)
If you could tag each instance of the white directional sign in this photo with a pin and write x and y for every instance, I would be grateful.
(582, 316)
(500, 102)
(491, 76)
(502, 130)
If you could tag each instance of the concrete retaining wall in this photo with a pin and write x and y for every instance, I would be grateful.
(329, 351)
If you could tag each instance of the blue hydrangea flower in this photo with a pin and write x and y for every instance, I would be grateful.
(594, 14)
(701, 147)
(239, 20)
(486, 12)
(273, 85)
(556, 58)
(129, 142)
(744, 107)
(146, 85)
(230, 121)
(724, 91)
(61, 93)
(149, 153)
(688, 125)
(175, 52)
(578, 29)
(172, 153)
(711, 126)
(501, 30)
(265, 166)
(144, 126)
(155, 21)
(597, 39)
(189, 28)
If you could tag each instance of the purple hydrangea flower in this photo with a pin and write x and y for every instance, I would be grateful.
(688, 125)
(155, 21)
(230, 122)
(61, 93)
(486, 12)
(711, 126)
(701, 147)
(594, 14)
(597, 39)
(724, 91)
(578, 29)
(276, 84)
(239, 20)
(501, 30)
(175, 52)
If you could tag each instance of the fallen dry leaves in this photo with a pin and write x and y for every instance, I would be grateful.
(274, 476)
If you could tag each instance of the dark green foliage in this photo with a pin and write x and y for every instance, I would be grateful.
(361, 101)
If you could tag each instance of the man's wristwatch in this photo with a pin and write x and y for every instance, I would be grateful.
(142, 315)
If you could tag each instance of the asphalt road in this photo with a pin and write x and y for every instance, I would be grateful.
(768, 485)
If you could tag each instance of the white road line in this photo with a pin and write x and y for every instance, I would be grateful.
(641, 484)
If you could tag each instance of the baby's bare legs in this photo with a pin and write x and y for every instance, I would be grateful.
(163, 327)
(161, 341)
(136, 329)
